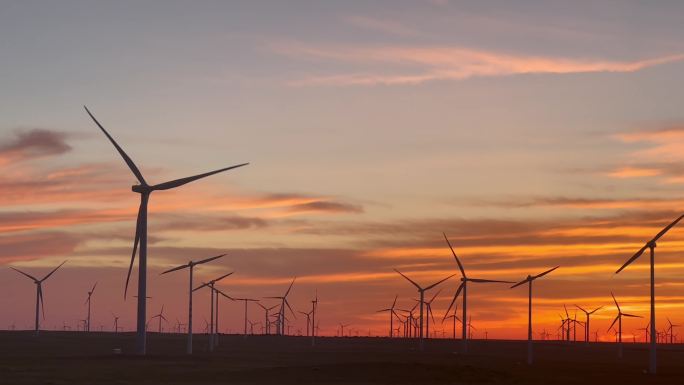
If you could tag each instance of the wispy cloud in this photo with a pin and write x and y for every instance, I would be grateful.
(406, 65)
(31, 144)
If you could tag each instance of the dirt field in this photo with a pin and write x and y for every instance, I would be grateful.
(80, 358)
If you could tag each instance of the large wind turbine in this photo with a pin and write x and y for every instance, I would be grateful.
(90, 294)
(618, 319)
(651, 245)
(281, 312)
(428, 308)
(586, 324)
(464, 287)
(210, 285)
(145, 190)
(191, 265)
(529, 281)
(392, 314)
(421, 291)
(39, 291)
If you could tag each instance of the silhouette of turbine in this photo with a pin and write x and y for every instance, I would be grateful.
(39, 292)
(145, 190)
(191, 265)
(651, 245)
(529, 281)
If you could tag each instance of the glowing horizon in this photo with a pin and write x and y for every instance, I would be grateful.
(530, 138)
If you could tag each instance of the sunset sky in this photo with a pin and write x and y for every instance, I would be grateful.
(533, 134)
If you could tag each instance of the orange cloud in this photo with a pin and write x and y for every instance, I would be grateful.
(416, 65)
(634, 172)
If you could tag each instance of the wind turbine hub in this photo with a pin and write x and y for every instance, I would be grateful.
(141, 189)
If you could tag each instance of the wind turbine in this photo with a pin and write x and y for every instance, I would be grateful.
(308, 320)
(671, 330)
(651, 245)
(161, 317)
(618, 319)
(191, 266)
(342, 326)
(210, 285)
(464, 287)
(314, 308)
(586, 324)
(116, 323)
(529, 281)
(246, 300)
(428, 306)
(392, 314)
(422, 291)
(145, 190)
(39, 292)
(90, 294)
(283, 303)
(267, 323)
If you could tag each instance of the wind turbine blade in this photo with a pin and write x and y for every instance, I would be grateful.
(477, 280)
(52, 272)
(458, 291)
(614, 321)
(544, 273)
(634, 257)
(200, 286)
(409, 279)
(175, 269)
(666, 229)
(289, 307)
(42, 304)
(616, 302)
(209, 259)
(290, 288)
(566, 311)
(436, 294)
(93, 289)
(580, 307)
(520, 283)
(458, 261)
(182, 181)
(595, 310)
(437, 283)
(138, 223)
(221, 277)
(395, 301)
(21, 272)
(123, 154)
(632, 315)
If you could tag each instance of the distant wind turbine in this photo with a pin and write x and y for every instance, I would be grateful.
(90, 294)
(651, 245)
(161, 317)
(145, 190)
(210, 285)
(618, 319)
(191, 266)
(529, 281)
(39, 292)
(267, 322)
(283, 303)
(421, 291)
(464, 287)
(586, 324)
(392, 314)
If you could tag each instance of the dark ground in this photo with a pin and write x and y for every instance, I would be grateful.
(80, 358)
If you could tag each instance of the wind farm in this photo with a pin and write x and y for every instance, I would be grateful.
(415, 192)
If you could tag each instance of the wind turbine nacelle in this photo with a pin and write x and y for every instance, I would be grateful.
(140, 189)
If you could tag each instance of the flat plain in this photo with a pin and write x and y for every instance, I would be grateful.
(89, 358)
